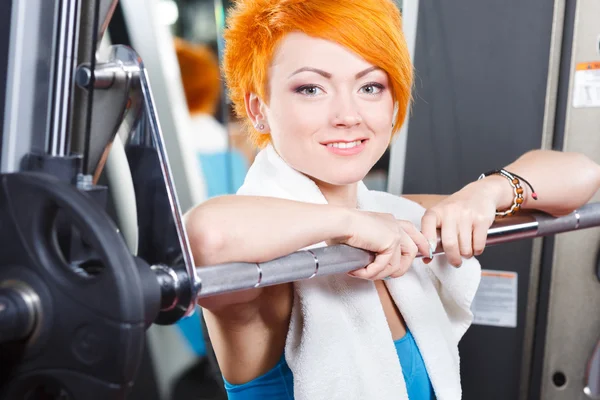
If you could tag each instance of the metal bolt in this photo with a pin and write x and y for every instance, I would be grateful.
(85, 182)
(83, 77)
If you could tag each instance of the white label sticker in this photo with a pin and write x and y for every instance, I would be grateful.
(586, 91)
(495, 303)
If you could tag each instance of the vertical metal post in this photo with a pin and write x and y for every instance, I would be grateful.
(33, 24)
(67, 34)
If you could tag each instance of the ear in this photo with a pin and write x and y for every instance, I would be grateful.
(255, 108)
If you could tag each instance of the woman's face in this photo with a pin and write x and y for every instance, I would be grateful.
(330, 112)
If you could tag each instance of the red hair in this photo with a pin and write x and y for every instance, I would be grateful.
(200, 76)
(370, 28)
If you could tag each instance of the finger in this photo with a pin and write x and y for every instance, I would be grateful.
(418, 238)
(430, 223)
(408, 252)
(450, 242)
(428, 257)
(379, 264)
(465, 238)
(408, 256)
(480, 231)
(429, 227)
(393, 266)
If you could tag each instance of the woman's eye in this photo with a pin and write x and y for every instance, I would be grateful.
(309, 90)
(372, 88)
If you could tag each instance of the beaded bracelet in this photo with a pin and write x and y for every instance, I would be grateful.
(515, 182)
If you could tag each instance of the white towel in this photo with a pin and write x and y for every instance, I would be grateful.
(339, 345)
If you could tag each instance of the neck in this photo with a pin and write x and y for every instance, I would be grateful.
(339, 195)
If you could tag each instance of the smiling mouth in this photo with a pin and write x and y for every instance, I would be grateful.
(346, 145)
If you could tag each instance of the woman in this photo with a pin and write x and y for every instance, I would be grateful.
(323, 86)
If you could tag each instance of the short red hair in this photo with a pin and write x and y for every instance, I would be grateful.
(369, 28)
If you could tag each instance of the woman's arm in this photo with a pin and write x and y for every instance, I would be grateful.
(257, 229)
(563, 182)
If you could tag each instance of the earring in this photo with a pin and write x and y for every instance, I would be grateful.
(260, 127)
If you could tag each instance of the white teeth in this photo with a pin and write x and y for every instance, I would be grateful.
(344, 145)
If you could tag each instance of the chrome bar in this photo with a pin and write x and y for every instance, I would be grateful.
(296, 266)
(219, 279)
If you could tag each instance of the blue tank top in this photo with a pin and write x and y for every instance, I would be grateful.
(278, 383)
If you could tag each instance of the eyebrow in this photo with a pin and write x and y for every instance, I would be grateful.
(328, 75)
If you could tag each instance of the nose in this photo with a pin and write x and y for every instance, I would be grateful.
(346, 114)
(347, 121)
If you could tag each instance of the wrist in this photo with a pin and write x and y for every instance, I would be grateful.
(499, 188)
(339, 223)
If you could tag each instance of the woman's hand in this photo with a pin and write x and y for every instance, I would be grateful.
(395, 243)
(464, 219)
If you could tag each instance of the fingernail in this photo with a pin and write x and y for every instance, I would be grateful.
(432, 247)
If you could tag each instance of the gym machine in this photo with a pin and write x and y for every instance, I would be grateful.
(93, 245)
